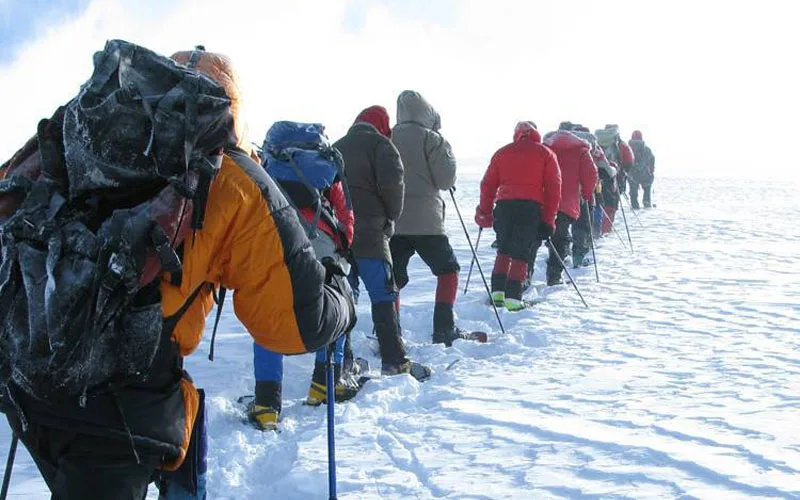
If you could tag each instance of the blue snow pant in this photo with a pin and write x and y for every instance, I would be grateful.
(377, 277)
(268, 365)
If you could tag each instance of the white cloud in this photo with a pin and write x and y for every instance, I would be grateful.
(697, 77)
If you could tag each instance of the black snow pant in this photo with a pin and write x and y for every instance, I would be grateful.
(83, 467)
(438, 255)
(515, 224)
(646, 188)
(561, 240)
(581, 235)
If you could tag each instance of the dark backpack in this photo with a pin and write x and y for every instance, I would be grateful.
(91, 211)
(643, 161)
(302, 161)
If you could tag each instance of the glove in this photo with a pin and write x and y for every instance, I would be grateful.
(544, 231)
(336, 279)
(483, 220)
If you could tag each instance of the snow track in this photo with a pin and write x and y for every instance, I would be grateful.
(681, 381)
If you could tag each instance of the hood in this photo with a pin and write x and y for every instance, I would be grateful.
(526, 131)
(563, 140)
(636, 136)
(378, 117)
(412, 107)
(220, 69)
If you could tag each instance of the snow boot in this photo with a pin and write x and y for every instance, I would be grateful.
(450, 335)
(554, 279)
(264, 410)
(514, 305)
(444, 328)
(499, 298)
(416, 370)
(345, 388)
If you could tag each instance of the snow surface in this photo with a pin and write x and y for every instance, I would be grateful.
(682, 381)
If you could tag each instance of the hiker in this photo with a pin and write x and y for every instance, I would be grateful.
(586, 227)
(318, 193)
(643, 171)
(107, 440)
(375, 177)
(620, 159)
(429, 167)
(520, 194)
(578, 179)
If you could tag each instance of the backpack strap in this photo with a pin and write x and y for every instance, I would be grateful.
(220, 300)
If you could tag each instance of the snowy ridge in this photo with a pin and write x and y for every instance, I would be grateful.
(681, 381)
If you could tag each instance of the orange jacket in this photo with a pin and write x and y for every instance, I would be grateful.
(253, 244)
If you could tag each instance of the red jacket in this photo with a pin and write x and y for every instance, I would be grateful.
(523, 170)
(344, 215)
(578, 171)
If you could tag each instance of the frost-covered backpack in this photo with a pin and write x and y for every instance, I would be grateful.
(302, 161)
(608, 139)
(91, 210)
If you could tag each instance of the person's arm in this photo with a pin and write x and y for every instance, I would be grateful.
(281, 292)
(588, 175)
(552, 188)
(489, 185)
(389, 176)
(652, 161)
(441, 161)
(343, 212)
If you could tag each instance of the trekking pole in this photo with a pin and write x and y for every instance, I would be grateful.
(478, 262)
(472, 264)
(625, 220)
(630, 203)
(12, 453)
(331, 396)
(564, 267)
(591, 239)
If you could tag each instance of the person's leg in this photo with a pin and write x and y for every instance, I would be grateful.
(402, 249)
(634, 194)
(560, 241)
(439, 256)
(318, 390)
(266, 407)
(581, 232)
(502, 261)
(646, 198)
(608, 218)
(377, 277)
(597, 220)
(522, 246)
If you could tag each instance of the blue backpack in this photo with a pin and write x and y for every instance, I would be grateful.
(297, 153)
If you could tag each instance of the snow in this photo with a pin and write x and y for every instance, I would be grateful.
(681, 381)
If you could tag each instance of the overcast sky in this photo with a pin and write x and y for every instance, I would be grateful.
(712, 84)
